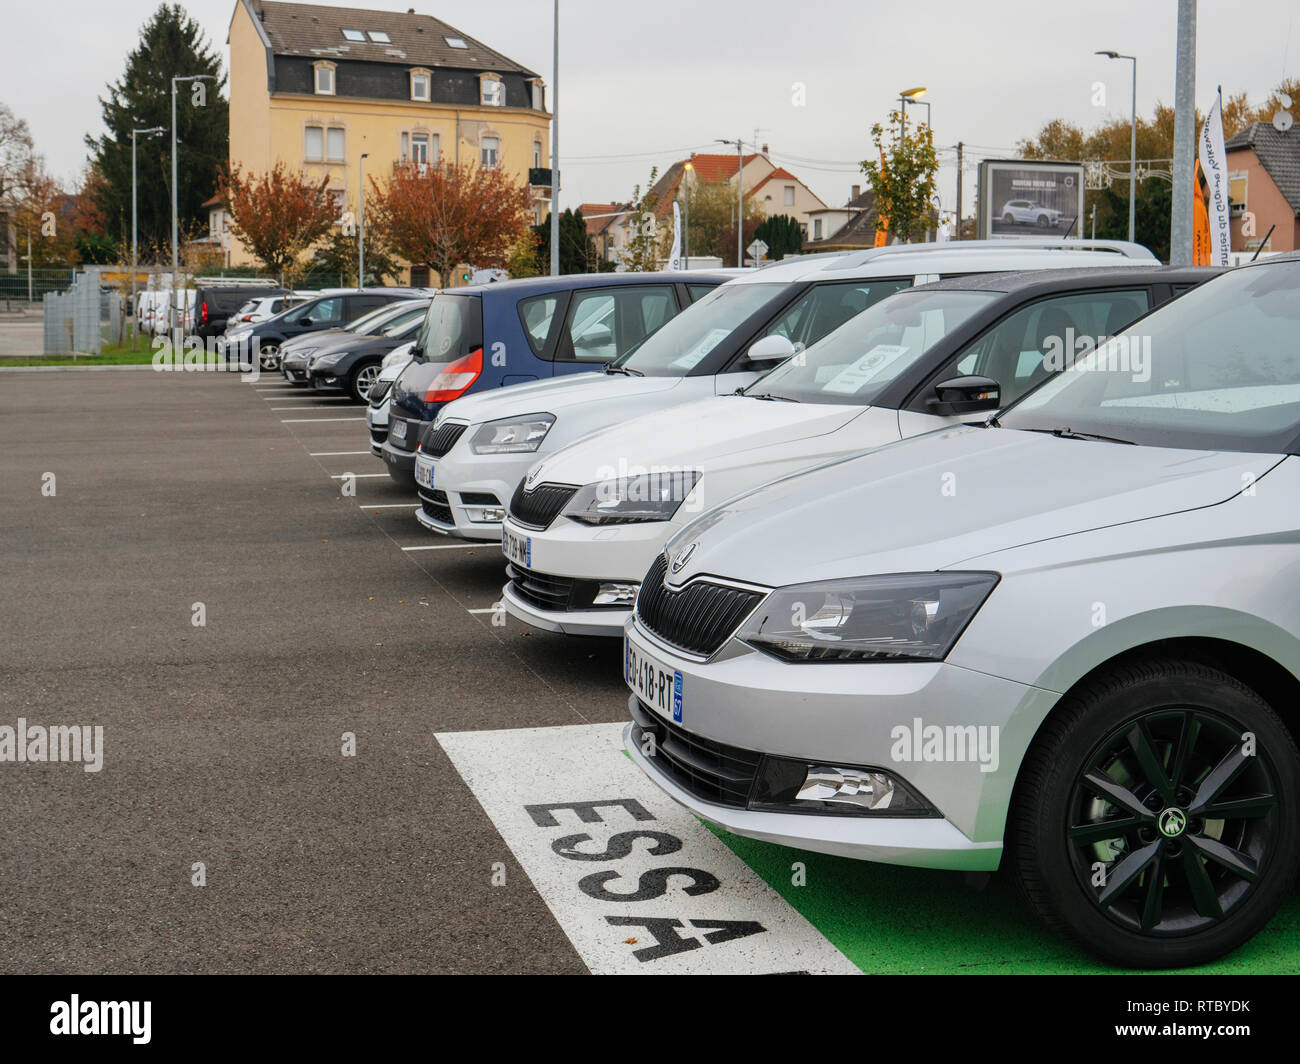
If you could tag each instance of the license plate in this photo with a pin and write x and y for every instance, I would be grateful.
(659, 687)
(398, 430)
(517, 549)
(424, 472)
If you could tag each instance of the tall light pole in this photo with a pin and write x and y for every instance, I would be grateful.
(1180, 234)
(361, 229)
(135, 256)
(740, 199)
(688, 169)
(1132, 144)
(176, 265)
(555, 148)
(912, 96)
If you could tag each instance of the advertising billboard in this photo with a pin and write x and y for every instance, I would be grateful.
(1028, 198)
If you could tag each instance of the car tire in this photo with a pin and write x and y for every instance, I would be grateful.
(363, 375)
(1008, 219)
(268, 356)
(1171, 889)
(1044, 221)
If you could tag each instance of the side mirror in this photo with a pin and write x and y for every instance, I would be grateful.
(965, 395)
(771, 349)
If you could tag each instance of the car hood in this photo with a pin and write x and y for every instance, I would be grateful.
(948, 497)
(553, 396)
(694, 435)
(314, 340)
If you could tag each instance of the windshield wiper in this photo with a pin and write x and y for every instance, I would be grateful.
(771, 397)
(611, 368)
(1067, 433)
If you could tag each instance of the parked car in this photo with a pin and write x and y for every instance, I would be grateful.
(1097, 632)
(488, 336)
(590, 518)
(1028, 212)
(353, 365)
(326, 311)
(295, 353)
(263, 307)
(471, 460)
(393, 366)
(214, 304)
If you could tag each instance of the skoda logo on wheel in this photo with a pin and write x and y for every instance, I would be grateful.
(1172, 823)
(680, 561)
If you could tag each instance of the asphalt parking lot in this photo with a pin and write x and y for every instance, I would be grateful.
(448, 843)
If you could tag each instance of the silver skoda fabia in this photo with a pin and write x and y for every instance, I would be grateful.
(1067, 640)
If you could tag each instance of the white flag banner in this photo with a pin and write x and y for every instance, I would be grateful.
(1214, 166)
(675, 256)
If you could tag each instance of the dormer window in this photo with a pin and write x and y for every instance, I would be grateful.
(420, 84)
(455, 42)
(492, 92)
(538, 94)
(324, 79)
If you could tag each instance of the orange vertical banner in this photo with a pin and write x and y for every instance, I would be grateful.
(882, 233)
(1201, 249)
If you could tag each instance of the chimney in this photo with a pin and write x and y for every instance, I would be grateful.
(765, 149)
(857, 191)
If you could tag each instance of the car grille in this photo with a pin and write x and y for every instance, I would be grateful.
(708, 770)
(377, 391)
(540, 506)
(556, 594)
(699, 618)
(443, 439)
(435, 506)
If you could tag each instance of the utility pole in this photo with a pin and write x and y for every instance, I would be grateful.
(1180, 230)
(960, 146)
(361, 230)
(740, 198)
(135, 258)
(555, 149)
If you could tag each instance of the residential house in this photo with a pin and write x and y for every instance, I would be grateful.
(219, 236)
(317, 87)
(602, 226)
(847, 228)
(1264, 182)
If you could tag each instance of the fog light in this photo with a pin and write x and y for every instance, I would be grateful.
(614, 594)
(825, 783)
(485, 515)
(790, 786)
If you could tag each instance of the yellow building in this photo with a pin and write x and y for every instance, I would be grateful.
(317, 87)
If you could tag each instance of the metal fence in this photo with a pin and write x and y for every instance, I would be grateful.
(79, 320)
(18, 290)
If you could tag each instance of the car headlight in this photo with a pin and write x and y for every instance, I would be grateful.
(324, 360)
(521, 435)
(903, 617)
(624, 500)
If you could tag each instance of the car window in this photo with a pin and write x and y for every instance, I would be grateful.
(326, 312)
(370, 321)
(825, 307)
(359, 305)
(452, 328)
(537, 314)
(1046, 337)
(401, 323)
(604, 323)
(699, 291)
(854, 363)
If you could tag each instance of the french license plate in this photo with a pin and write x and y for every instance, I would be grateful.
(397, 430)
(659, 687)
(424, 472)
(517, 549)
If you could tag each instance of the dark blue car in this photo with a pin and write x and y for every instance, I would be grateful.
(493, 335)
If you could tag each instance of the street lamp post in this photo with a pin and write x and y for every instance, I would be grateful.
(686, 235)
(912, 96)
(361, 229)
(1133, 143)
(555, 148)
(177, 323)
(135, 256)
(740, 199)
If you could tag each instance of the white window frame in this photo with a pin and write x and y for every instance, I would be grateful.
(789, 195)
(483, 150)
(428, 85)
(319, 157)
(342, 133)
(319, 69)
(483, 92)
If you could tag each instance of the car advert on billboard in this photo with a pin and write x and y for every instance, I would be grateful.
(1024, 198)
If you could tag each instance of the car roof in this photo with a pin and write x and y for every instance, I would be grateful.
(967, 256)
(1022, 282)
(526, 285)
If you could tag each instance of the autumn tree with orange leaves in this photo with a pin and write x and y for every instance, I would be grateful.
(450, 213)
(278, 215)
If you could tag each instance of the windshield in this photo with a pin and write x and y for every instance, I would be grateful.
(1217, 369)
(681, 344)
(868, 352)
(407, 322)
(453, 327)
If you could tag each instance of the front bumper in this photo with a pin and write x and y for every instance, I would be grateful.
(294, 372)
(607, 623)
(397, 458)
(326, 380)
(855, 715)
(377, 423)
(475, 476)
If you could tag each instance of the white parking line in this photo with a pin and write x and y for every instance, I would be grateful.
(357, 476)
(337, 454)
(392, 506)
(315, 420)
(449, 546)
(309, 406)
(493, 609)
(636, 882)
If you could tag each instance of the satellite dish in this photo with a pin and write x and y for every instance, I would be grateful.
(1283, 120)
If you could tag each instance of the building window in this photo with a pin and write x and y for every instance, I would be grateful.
(334, 145)
(455, 42)
(491, 151)
(354, 35)
(817, 228)
(420, 85)
(537, 155)
(380, 37)
(314, 144)
(789, 195)
(1237, 185)
(493, 93)
(324, 79)
(539, 96)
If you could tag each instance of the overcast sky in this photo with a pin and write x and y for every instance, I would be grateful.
(644, 84)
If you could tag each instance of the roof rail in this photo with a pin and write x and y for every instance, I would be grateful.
(1121, 248)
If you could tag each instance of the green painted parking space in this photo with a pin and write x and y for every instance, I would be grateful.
(901, 921)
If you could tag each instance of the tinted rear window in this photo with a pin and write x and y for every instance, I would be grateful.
(453, 327)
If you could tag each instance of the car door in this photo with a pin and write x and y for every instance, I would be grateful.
(600, 324)
(1030, 343)
(355, 306)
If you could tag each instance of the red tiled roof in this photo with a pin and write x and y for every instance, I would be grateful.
(714, 169)
(592, 212)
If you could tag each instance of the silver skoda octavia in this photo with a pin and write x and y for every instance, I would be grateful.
(1066, 640)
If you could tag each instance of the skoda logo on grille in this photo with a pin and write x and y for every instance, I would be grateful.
(680, 561)
(532, 477)
(1172, 823)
